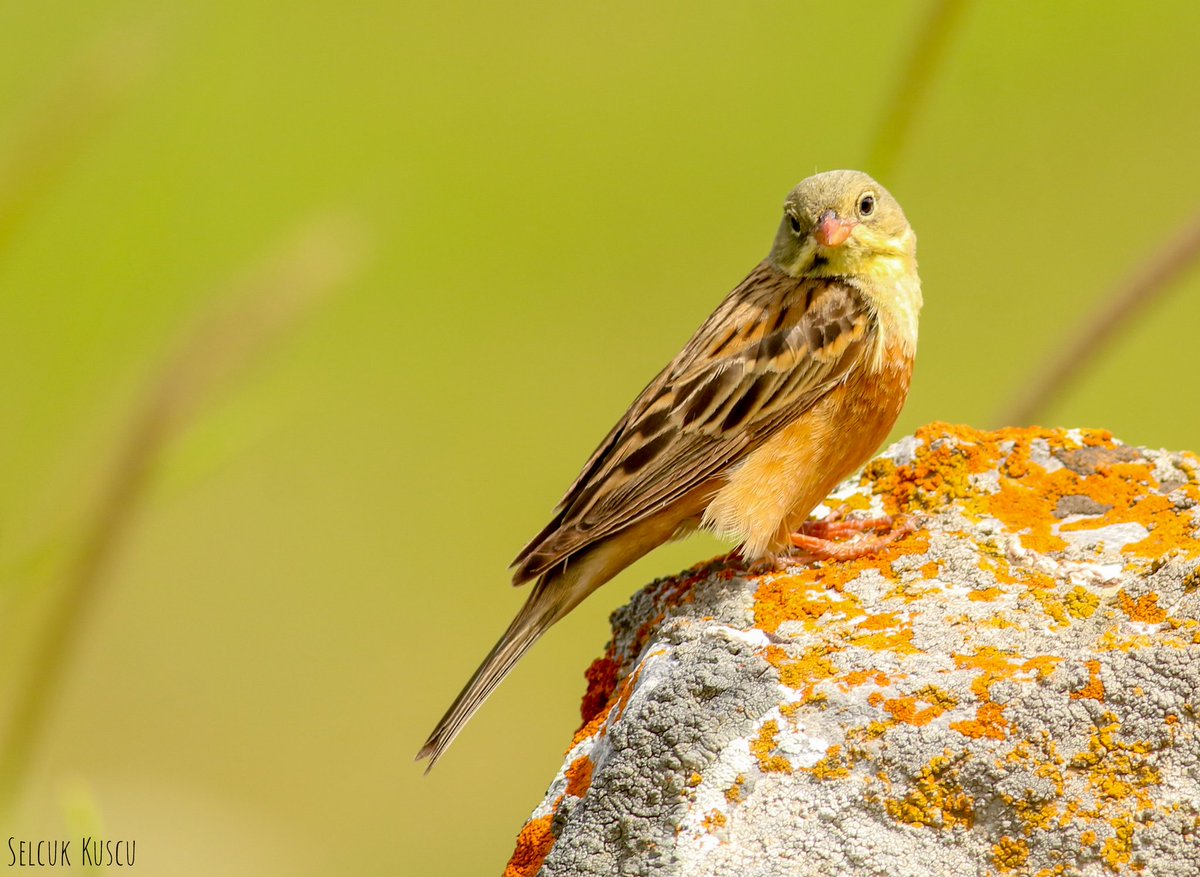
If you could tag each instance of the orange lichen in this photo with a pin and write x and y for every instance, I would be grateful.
(1127, 488)
(936, 799)
(1144, 608)
(734, 793)
(999, 568)
(985, 595)
(533, 845)
(1027, 501)
(880, 621)
(1028, 496)
(860, 677)
(589, 730)
(714, 820)
(1115, 640)
(1094, 690)
(904, 709)
(1009, 853)
(856, 502)
(1093, 438)
(899, 641)
(988, 722)
(618, 699)
(1035, 816)
(814, 596)
(997, 621)
(601, 683)
(1169, 530)
(871, 731)
(1117, 769)
(832, 766)
(579, 776)
(937, 475)
(1081, 602)
(1024, 507)
(1054, 608)
(1038, 585)
(626, 692)
(803, 672)
(994, 663)
(920, 708)
(763, 748)
(1118, 848)
(799, 598)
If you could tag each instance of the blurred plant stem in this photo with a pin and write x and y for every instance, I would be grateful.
(253, 313)
(1145, 286)
(66, 121)
(82, 817)
(912, 87)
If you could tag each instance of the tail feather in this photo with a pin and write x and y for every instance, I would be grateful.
(558, 590)
(551, 599)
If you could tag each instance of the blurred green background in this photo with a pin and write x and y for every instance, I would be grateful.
(552, 196)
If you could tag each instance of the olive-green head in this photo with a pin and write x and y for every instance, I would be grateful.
(838, 224)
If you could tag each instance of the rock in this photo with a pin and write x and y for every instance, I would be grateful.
(1012, 689)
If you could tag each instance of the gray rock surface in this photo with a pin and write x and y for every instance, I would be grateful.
(1012, 689)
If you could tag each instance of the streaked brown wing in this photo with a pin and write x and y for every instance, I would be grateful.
(772, 349)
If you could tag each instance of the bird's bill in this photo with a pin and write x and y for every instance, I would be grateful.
(831, 230)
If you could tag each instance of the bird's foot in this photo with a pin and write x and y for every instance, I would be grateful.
(761, 566)
(816, 538)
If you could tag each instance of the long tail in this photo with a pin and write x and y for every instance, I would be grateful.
(556, 593)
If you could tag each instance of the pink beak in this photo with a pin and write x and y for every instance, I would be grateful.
(832, 231)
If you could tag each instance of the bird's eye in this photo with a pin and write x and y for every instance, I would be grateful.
(866, 205)
(795, 223)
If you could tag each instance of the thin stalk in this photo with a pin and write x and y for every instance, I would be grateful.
(67, 120)
(272, 298)
(913, 85)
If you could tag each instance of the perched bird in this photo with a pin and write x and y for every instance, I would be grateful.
(786, 389)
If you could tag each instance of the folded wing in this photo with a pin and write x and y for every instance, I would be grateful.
(774, 347)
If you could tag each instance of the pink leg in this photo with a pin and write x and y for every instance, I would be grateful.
(816, 537)
(762, 565)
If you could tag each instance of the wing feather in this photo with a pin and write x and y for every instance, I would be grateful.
(773, 347)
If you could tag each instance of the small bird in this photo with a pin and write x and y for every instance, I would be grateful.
(788, 387)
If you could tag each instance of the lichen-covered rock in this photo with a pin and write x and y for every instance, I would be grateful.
(1010, 690)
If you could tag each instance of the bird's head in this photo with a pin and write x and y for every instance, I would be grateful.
(842, 224)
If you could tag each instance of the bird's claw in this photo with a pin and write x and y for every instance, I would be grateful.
(815, 538)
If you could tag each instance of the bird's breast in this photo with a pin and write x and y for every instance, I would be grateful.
(779, 483)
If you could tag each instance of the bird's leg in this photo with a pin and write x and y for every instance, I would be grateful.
(831, 526)
(758, 566)
(816, 537)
